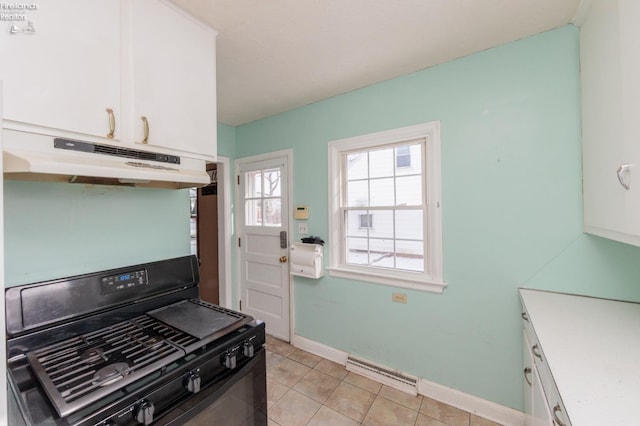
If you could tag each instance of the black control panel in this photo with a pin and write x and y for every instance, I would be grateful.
(124, 281)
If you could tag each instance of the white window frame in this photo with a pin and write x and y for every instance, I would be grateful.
(432, 279)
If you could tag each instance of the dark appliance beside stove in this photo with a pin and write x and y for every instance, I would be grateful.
(132, 346)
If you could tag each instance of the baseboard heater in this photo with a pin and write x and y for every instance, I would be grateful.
(384, 375)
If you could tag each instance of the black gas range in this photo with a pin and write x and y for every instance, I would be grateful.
(131, 346)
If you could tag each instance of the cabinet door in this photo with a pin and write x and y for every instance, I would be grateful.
(629, 15)
(610, 65)
(528, 381)
(604, 151)
(65, 74)
(174, 80)
(540, 409)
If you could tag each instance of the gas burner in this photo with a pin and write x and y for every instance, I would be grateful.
(93, 356)
(154, 342)
(110, 373)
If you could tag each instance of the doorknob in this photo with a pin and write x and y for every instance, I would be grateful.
(283, 259)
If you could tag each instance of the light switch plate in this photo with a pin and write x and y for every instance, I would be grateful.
(303, 228)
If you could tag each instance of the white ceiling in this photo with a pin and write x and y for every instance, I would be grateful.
(275, 55)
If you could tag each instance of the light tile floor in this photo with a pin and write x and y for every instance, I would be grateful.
(305, 389)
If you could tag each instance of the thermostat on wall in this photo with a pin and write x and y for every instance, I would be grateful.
(302, 212)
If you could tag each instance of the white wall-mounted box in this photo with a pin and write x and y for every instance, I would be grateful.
(306, 260)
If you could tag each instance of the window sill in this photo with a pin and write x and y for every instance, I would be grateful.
(427, 285)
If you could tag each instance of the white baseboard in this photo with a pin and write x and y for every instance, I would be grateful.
(319, 349)
(472, 404)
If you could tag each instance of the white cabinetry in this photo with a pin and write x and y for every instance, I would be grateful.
(66, 74)
(174, 83)
(610, 65)
(93, 67)
(536, 407)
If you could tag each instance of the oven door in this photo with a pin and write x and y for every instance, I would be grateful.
(241, 399)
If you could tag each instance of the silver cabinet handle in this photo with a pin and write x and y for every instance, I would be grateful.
(625, 168)
(525, 317)
(112, 123)
(145, 123)
(527, 372)
(535, 350)
(557, 410)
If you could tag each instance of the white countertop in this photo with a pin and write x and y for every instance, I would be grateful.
(592, 347)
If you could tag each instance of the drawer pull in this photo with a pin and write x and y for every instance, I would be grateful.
(527, 372)
(557, 410)
(536, 351)
(112, 123)
(525, 317)
(145, 124)
(625, 168)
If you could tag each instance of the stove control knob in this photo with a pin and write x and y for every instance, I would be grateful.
(247, 349)
(229, 360)
(144, 412)
(192, 382)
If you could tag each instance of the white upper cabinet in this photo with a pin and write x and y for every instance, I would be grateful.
(93, 69)
(610, 66)
(174, 81)
(66, 74)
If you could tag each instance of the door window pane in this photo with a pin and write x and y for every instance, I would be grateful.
(272, 213)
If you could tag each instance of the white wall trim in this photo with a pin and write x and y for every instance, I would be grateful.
(470, 403)
(224, 224)
(473, 404)
(319, 349)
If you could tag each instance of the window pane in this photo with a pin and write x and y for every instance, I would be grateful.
(410, 255)
(357, 251)
(253, 187)
(382, 224)
(271, 183)
(414, 157)
(381, 163)
(353, 228)
(253, 212)
(409, 191)
(409, 224)
(382, 192)
(403, 156)
(381, 253)
(358, 193)
(272, 213)
(357, 166)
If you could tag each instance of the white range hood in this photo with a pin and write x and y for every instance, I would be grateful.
(45, 158)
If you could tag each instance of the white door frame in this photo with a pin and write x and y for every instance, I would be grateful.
(287, 154)
(224, 231)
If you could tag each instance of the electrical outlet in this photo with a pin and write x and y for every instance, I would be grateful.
(399, 298)
(303, 228)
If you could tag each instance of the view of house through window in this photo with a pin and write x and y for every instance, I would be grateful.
(263, 198)
(385, 218)
(384, 209)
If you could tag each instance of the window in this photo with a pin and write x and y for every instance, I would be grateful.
(262, 198)
(390, 179)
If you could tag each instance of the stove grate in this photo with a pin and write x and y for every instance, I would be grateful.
(79, 371)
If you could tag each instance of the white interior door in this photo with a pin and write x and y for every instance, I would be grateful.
(263, 225)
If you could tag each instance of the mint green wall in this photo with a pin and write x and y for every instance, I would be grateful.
(55, 230)
(512, 212)
(227, 141)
